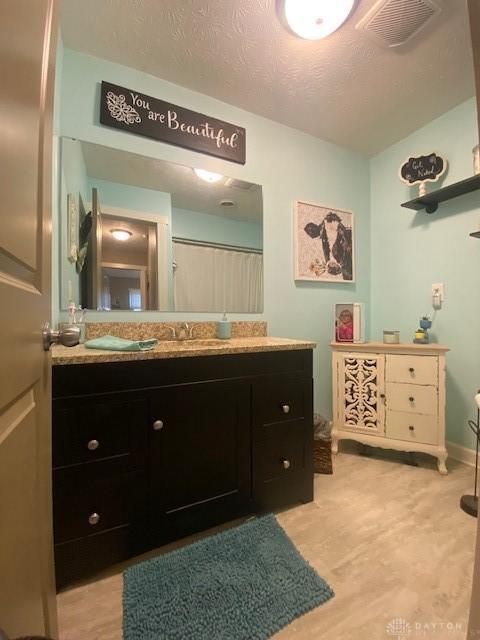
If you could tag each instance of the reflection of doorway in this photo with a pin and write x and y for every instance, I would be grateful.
(130, 240)
(123, 287)
(128, 264)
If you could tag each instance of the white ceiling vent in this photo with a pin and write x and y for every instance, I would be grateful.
(395, 22)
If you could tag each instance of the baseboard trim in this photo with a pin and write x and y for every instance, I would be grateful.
(462, 454)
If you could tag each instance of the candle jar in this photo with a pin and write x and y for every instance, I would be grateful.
(391, 337)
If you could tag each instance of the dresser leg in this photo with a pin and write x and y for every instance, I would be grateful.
(334, 444)
(441, 460)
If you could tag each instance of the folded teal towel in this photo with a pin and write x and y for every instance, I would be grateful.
(111, 343)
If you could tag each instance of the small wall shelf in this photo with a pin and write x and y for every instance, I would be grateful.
(430, 201)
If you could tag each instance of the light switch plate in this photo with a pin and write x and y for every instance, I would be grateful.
(440, 288)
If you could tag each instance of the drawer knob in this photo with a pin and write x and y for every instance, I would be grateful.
(412, 399)
(158, 425)
(382, 395)
(411, 369)
(286, 408)
(93, 519)
(286, 464)
(92, 445)
(411, 427)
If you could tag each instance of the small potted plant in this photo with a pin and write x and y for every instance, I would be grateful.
(421, 334)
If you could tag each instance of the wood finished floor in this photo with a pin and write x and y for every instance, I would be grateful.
(389, 538)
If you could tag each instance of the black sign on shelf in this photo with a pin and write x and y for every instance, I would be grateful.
(427, 168)
(138, 113)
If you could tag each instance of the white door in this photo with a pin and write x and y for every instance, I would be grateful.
(27, 590)
(361, 382)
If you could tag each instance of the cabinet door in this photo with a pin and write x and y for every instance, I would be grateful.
(199, 457)
(361, 393)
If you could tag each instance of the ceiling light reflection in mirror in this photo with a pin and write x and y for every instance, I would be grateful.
(121, 234)
(208, 176)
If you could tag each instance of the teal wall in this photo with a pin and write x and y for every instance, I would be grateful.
(125, 196)
(288, 164)
(410, 251)
(209, 228)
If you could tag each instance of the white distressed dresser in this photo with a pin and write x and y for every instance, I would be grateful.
(390, 396)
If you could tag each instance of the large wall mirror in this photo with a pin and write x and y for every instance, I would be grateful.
(142, 234)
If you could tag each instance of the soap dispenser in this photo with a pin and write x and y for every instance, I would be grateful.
(224, 328)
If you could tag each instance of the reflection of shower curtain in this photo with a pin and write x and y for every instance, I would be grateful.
(215, 279)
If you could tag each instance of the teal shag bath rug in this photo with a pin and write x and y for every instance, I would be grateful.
(245, 583)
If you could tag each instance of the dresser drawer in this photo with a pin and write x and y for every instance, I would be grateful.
(88, 429)
(411, 398)
(281, 400)
(87, 501)
(412, 369)
(412, 427)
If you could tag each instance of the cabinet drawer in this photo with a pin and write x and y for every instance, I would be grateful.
(280, 457)
(86, 502)
(412, 427)
(283, 468)
(91, 429)
(412, 369)
(81, 558)
(411, 398)
(281, 400)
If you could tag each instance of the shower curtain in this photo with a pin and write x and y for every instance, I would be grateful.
(216, 279)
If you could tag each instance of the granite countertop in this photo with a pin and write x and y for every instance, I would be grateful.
(178, 349)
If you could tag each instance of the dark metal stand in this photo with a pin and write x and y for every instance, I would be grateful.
(467, 502)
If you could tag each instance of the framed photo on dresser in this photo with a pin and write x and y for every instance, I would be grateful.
(349, 322)
(324, 243)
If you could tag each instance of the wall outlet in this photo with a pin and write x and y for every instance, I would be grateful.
(438, 294)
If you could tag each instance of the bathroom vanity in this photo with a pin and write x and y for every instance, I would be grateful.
(150, 447)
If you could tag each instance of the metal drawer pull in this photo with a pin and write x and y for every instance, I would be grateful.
(92, 445)
(158, 425)
(412, 370)
(94, 518)
(411, 427)
(286, 464)
(382, 395)
(412, 399)
(286, 408)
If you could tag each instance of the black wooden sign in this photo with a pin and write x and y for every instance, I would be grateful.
(427, 168)
(138, 113)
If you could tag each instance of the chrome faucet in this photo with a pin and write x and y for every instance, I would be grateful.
(184, 332)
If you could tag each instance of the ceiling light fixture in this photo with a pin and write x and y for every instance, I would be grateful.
(315, 19)
(121, 234)
(208, 176)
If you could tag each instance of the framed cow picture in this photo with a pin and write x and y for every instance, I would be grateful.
(324, 243)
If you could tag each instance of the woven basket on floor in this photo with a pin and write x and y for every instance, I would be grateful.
(322, 456)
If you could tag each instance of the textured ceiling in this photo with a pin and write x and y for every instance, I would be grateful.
(187, 190)
(346, 88)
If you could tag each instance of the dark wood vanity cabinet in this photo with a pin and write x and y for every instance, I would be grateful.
(146, 452)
